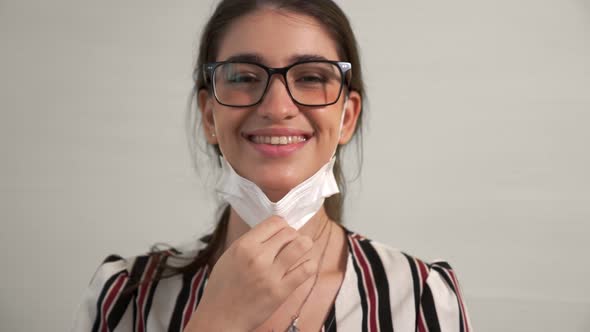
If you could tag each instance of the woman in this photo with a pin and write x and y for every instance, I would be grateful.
(279, 89)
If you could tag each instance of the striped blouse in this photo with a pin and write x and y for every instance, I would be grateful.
(383, 289)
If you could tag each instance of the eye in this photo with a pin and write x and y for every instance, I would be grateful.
(311, 79)
(242, 78)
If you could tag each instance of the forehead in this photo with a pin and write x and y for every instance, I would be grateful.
(277, 38)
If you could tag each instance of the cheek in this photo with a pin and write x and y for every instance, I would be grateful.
(227, 127)
(328, 125)
(227, 120)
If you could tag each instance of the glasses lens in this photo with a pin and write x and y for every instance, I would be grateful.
(239, 84)
(315, 83)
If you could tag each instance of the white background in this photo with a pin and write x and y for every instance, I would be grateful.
(476, 148)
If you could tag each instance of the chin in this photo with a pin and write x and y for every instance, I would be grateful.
(277, 187)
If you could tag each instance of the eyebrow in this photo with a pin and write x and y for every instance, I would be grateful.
(247, 57)
(306, 57)
(254, 57)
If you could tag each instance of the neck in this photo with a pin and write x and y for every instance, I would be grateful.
(336, 255)
(237, 227)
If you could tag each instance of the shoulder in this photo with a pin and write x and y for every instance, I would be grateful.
(374, 252)
(431, 288)
(141, 267)
(176, 256)
(120, 281)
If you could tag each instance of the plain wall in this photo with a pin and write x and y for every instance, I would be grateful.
(476, 148)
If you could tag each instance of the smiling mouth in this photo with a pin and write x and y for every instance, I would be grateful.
(278, 140)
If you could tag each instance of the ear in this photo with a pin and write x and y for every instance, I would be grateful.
(207, 119)
(351, 115)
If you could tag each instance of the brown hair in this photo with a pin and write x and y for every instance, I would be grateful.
(227, 11)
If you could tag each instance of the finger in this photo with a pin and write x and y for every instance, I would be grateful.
(298, 275)
(292, 253)
(278, 241)
(265, 229)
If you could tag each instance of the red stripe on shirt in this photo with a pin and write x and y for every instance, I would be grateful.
(422, 274)
(460, 299)
(189, 308)
(112, 295)
(154, 261)
(369, 284)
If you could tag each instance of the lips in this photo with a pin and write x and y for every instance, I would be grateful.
(277, 136)
(277, 142)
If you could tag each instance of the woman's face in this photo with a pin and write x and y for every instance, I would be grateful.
(278, 38)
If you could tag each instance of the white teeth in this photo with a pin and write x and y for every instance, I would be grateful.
(277, 140)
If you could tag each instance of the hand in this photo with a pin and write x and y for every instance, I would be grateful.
(253, 278)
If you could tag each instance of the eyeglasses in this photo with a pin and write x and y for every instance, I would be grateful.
(309, 83)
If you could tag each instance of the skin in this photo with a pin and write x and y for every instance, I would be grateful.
(277, 37)
(236, 288)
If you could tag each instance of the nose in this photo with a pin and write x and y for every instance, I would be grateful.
(277, 104)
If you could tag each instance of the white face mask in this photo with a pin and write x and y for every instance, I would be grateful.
(297, 207)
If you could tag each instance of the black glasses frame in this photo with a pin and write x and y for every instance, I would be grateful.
(209, 73)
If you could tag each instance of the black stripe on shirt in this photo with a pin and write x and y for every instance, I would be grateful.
(101, 298)
(444, 269)
(181, 301)
(119, 308)
(360, 285)
(443, 264)
(330, 323)
(204, 280)
(160, 261)
(445, 276)
(416, 282)
(429, 310)
(112, 258)
(381, 284)
(121, 301)
(137, 272)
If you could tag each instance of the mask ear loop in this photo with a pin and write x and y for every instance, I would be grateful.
(214, 134)
(208, 82)
(341, 123)
(342, 116)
